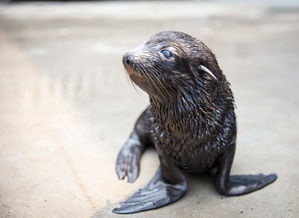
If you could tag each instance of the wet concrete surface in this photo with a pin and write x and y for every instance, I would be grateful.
(66, 105)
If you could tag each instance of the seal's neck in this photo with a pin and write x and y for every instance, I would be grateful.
(188, 111)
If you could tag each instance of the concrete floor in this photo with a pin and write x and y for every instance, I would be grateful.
(66, 105)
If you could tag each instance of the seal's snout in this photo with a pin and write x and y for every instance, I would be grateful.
(128, 59)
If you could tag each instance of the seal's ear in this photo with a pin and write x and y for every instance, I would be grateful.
(203, 68)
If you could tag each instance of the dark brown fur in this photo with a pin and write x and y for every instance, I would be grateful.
(190, 120)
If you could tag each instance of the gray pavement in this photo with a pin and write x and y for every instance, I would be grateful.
(67, 106)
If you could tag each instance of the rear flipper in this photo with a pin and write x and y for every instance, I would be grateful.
(244, 184)
(238, 184)
(156, 194)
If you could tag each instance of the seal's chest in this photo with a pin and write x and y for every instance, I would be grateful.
(185, 152)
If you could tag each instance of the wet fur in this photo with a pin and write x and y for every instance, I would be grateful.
(193, 114)
(190, 121)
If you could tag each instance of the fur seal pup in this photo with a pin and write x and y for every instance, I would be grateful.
(190, 121)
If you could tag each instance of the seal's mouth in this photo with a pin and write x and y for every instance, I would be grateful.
(138, 73)
(133, 68)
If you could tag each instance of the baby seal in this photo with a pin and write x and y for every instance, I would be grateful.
(190, 121)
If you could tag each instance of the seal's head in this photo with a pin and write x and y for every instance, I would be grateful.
(171, 62)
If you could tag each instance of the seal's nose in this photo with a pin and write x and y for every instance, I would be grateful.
(128, 59)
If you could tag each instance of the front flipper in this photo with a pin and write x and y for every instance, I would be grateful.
(156, 194)
(128, 159)
(238, 184)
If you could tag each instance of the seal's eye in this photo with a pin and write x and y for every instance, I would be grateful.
(167, 54)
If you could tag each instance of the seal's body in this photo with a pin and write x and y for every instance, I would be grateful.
(190, 121)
